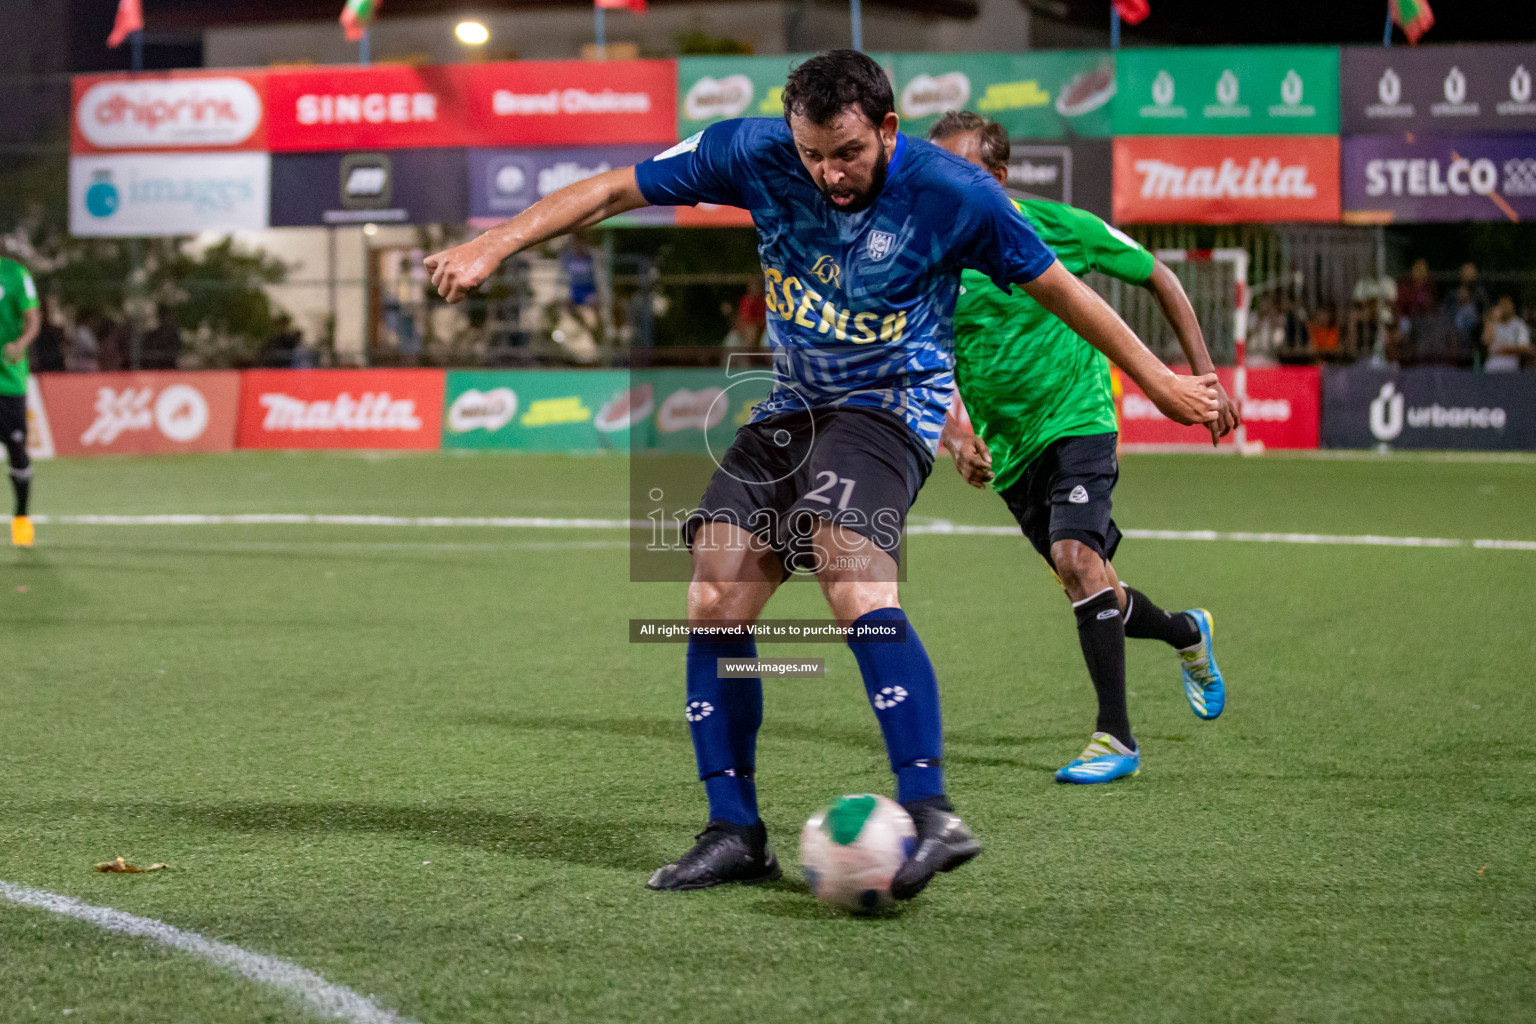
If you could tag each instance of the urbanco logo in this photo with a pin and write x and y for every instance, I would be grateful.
(1387, 413)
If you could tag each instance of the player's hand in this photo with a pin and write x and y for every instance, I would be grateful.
(458, 271)
(1187, 400)
(1228, 416)
(972, 459)
(14, 352)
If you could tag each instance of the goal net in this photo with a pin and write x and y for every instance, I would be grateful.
(1216, 281)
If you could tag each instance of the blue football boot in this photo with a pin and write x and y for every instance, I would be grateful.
(1105, 759)
(1203, 685)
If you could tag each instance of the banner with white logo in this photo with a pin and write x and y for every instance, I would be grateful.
(395, 409)
(504, 182)
(1217, 90)
(403, 186)
(711, 89)
(1044, 94)
(1450, 89)
(1281, 411)
(1226, 179)
(1428, 407)
(1073, 171)
(182, 110)
(1415, 177)
(141, 413)
(156, 195)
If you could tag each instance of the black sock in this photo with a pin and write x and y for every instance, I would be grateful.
(1146, 621)
(21, 482)
(1101, 631)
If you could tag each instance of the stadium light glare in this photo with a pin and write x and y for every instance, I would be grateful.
(370, 230)
(472, 33)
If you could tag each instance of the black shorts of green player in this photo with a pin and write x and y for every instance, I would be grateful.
(860, 468)
(1041, 402)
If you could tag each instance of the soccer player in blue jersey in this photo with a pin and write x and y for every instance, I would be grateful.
(862, 234)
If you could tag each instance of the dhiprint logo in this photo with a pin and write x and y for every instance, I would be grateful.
(880, 245)
(827, 271)
(1387, 413)
(155, 114)
(889, 697)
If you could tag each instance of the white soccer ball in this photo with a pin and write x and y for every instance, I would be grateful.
(851, 850)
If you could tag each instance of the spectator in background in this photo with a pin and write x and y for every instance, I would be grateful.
(749, 325)
(1267, 337)
(1465, 315)
(1323, 329)
(160, 349)
(111, 344)
(1476, 297)
(85, 350)
(51, 343)
(1416, 292)
(1508, 339)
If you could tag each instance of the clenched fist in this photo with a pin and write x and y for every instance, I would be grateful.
(1186, 400)
(458, 271)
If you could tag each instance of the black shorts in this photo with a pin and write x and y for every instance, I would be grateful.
(1064, 494)
(13, 420)
(860, 468)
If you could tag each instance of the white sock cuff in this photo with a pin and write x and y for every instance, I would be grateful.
(1091, 597)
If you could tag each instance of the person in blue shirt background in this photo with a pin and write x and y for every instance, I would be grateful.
(862, 233)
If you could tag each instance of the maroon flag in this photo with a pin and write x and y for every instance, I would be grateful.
(130, 19)
(1133, 12)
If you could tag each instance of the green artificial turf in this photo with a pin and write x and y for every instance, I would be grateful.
(427, 764)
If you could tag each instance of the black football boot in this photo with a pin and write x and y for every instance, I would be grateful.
(724, 852)
(943, 844)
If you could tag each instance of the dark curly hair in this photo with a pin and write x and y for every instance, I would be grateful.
(828, 83)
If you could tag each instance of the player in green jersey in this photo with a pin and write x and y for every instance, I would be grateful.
(19, 323)
(1040, 401)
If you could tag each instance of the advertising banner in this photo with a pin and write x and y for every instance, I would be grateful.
(1450, 89)
(1074, 171)
(1281, 411)
(141, 413)
(1216, 90)
(169, 111)
(153, 194)
(340, 409)
(504, 182)
(1409, 178)
(408, 186)
(519, 103)
(1428, 407)
(711, 89)
(1216, 180)
(39, 433)
(1048, 94)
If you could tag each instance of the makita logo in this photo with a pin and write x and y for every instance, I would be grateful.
(505, 103)
(1261, 179)
(180, 412)
(373, 411)
(190, 112)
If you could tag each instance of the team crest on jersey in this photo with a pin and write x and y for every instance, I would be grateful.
(880, 245)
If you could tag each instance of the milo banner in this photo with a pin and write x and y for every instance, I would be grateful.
(1251, 90)
(1428, 407)
(1041, 95)
(1483, 88)
(711, 89)
(668, 410)
(1416, 178)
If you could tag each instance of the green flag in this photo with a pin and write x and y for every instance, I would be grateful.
(1413, 16)
(357, 16)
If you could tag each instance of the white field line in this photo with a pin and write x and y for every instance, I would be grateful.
(319, 996)
(938, 527)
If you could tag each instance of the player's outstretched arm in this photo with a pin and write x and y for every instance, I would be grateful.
(1165, 286)
(458, 270)
(1186, 400)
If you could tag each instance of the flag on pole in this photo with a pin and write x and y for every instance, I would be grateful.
(357, 16)
(637, 6)
(1413, 16)
(1133, 12)
(130, 19)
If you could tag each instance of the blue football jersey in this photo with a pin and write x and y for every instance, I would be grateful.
(860, 305)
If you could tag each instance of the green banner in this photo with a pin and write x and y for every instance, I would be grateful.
(1251, 90)
(597, 410)
(711, 89)
(1042, 95)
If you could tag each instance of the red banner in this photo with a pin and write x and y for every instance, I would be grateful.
(521, 103)
(141, 413)
(1282, 410)
(1230, 179)
(168, 112)
(340, 409)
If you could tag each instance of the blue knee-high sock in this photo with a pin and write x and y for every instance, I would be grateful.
(899, 680)
(724, 716)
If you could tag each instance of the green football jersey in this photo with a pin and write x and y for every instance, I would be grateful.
(1025, 377)
(17, 295)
